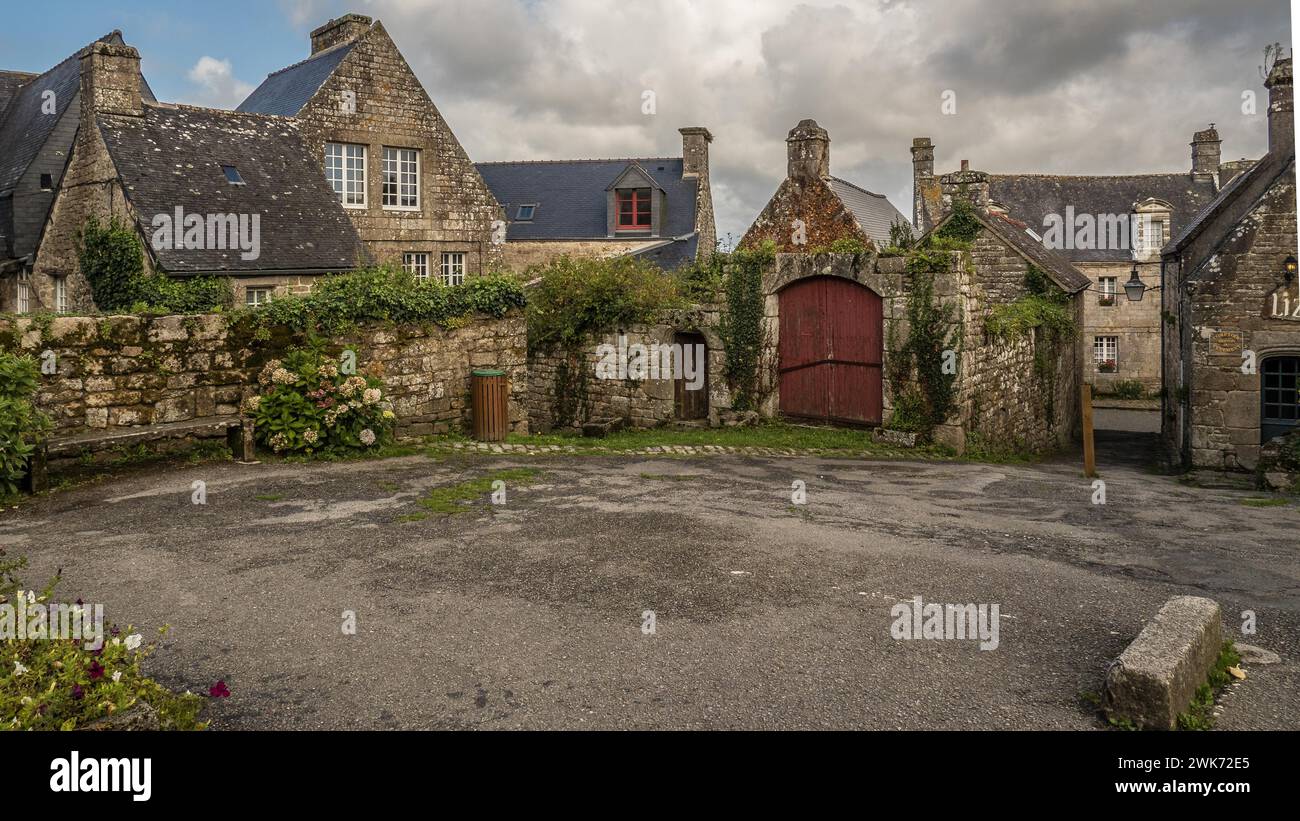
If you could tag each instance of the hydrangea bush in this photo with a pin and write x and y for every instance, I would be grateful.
(309, 406)
(21, 423)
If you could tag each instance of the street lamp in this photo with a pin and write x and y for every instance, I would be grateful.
(1135, 287)
(1290, 269)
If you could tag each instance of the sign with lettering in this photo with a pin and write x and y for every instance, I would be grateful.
(1284, 303)
(1226, 343)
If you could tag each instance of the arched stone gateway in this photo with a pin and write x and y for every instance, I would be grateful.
(831, 351)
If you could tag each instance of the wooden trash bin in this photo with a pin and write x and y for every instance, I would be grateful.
(491, 394)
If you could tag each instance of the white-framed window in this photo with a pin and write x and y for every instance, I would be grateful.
(345, 168)
(1107, 288)
(453, 268)
(417, 263)
(24, 292)
(253, 297)
(61, 294)
(1151, 234)
(1105, 353)
(401, 178)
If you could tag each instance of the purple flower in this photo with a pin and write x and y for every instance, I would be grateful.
(96, 670)
(77, 692)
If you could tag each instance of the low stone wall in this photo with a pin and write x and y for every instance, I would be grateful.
(565, 391)
(122, 371)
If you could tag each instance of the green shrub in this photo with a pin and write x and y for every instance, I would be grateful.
(59, 684)
(1129, 389)
(21, 424)
(309, 406)
(964, 226)
(112, 261)
(741, 326)
(337, 303)
(575, 298)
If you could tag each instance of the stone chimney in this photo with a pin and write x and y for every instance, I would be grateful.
(1281, 109)
(808, 149)
(110, 81)
(973, 185)
(339, 30)
(695, 151)
(922, 180)
(1206, 154)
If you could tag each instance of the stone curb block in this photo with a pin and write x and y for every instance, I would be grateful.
(1156, 676)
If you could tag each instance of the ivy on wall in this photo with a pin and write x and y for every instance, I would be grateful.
(1044, 316)
(741, 325)
(112, 260)
(924, 393)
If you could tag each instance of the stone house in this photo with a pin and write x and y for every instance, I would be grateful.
(657, 208)
(812, 209)
(39, 117)
(403, 178)
(1105, 225)
(1231, 303)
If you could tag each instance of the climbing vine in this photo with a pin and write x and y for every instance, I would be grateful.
(112, 261)
(741, 325)
(570, 403)
(925, 390)
(1044, 316)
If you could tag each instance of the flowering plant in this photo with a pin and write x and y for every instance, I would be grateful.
(1106, 366)
(308, 405)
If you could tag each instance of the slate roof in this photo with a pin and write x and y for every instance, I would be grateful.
(671, 254)
(1032, 197)
(286, 91)
(1214, 206)
(9, 83)
(571, 195)
(24, 129)
(1013, 232)
(874, 212)
(173, 156)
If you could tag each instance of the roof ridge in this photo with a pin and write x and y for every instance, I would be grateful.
(320, 53)
(1187, 174)
(860, 188)
(188, 107)
(77, 54)
(582, 159)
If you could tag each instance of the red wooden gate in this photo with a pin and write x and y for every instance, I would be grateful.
(831, 348)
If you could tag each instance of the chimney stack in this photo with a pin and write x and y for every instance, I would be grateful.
(973, 185)
(110, 81)
(695, 151)
(808, 149)
(922, 181)
(339, 30)
(1206, 154)
(1281, 109)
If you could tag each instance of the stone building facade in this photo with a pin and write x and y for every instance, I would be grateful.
(1231, 304)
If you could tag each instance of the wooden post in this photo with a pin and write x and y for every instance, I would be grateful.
(1089, 452)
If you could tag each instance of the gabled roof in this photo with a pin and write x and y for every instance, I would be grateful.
(632, 168)
(1013, 232)
(673, 253)
(874, 212)
(1032, 197)
(172, 156)
(286, 91)
(571, 198)
(1216, 205)
(9, 83)
(24, 129)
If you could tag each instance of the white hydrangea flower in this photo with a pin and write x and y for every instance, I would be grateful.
(367, 437)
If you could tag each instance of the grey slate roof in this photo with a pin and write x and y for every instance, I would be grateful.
(1229, 193)
(24, 129)
(571, 195)
(1013, 232)
(286, 91)
(172, 156)
(671, 254)
(874, 212)
(1031, 197)
(9, 83)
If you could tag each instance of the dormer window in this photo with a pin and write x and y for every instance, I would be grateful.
(1150, 230)
(525, 213)
(634, 209)
(232, 175)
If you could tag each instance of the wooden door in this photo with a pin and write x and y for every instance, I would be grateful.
(831, 352)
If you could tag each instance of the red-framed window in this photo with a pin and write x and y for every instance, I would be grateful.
(634, 209)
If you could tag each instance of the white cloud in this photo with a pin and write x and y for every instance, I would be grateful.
(216, 84)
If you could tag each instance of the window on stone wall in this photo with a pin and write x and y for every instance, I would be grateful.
(1105, 353)
(24, 292)
(61, 294)
(254, 297)
(416, 263)
(345, 168)
(401, 178)
(1106, 290)
(453, 268)
(634, 209)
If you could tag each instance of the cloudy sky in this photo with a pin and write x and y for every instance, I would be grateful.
(1061, 86)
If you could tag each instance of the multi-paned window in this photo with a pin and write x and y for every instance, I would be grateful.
(417, 263)
(254, 297)
(24, 292)
(61, 294)
(634, 209)
(1105, 353)
(1106, 290)
(1153, 234)
(453, 268)
(401, 178)
(1281, 406)
(345, 168)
